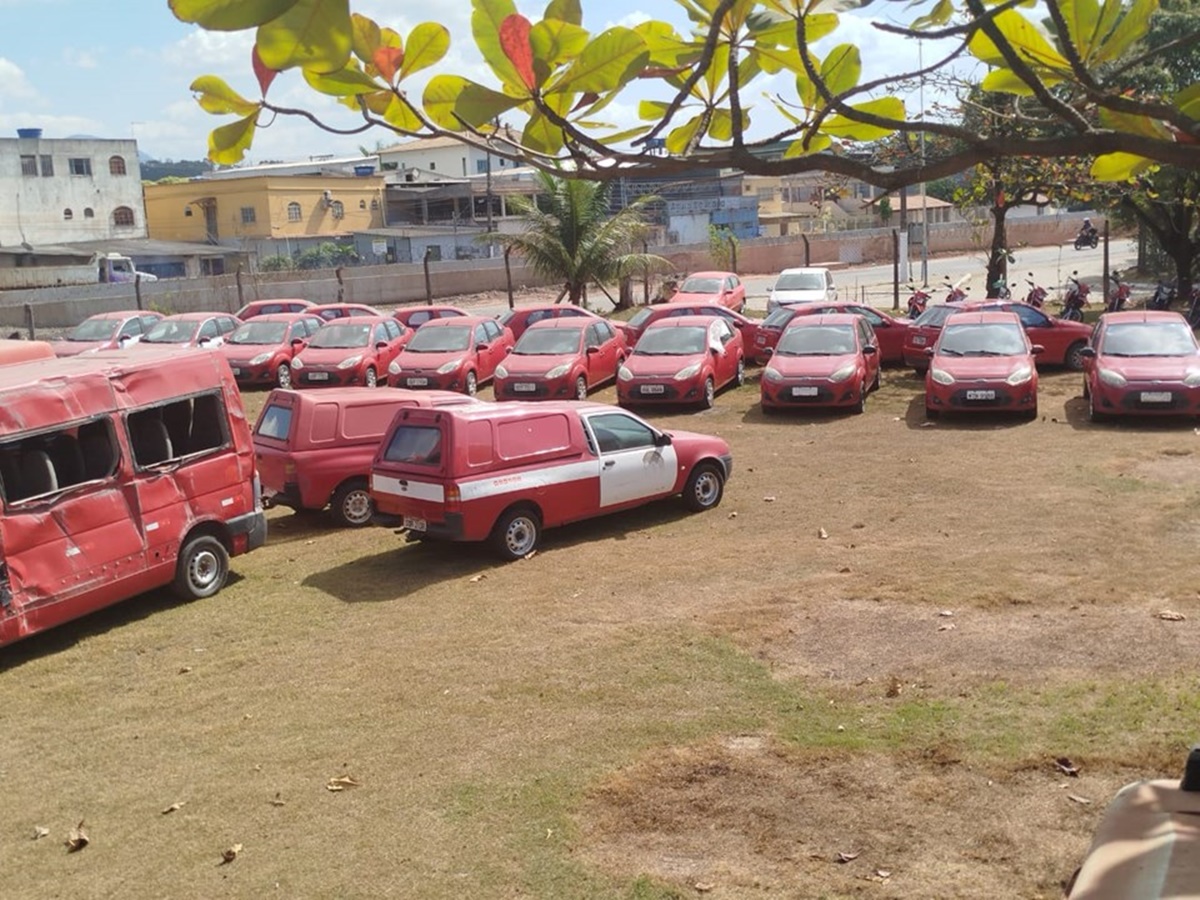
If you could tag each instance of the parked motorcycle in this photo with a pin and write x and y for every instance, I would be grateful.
(958, 290)
(1037, 295)
(918, 299)
(1075, 299)
(1087, 237)
(1163, 296)
(1118, 294)
(1000, 289)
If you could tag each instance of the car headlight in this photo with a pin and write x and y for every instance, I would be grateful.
(772, 374)
(689, 372)
(559, 371)
(501, 372)
(941, 376)
(1192, 379)
(260, 359)
(1020, 375)
(449, 367)
(843, 373)
(1111, 378)
(297, 363)
(350, 362)
(624, 374)
(394, 367)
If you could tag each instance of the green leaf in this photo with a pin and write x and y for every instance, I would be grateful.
(609, 61)
(818, 143)
(1119, 166)
(448, 96)
(680, 138)
(626, 135)
(400, 116)
(1024, 37)
(349, 82)
(486, 19)
(568, 11)
(215, 96)
(555, 42)
(427, 44)
(841, 69)
(652, 110)
(1005, 81)
(1131, 28)
(1187, 101)
(365, 38)
(776, 59)
(850, 130)
(229, 15)
(312, 34)
(807, 92)
(228, 144)
(541, 136)
(936, 17)
(720, 128)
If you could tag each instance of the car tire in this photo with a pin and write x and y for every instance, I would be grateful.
(931, 413)
(1032, 414)
(370, 379)
(920, 373)
(283, 376)
(351, 505)
(861, 406)
(740, 378)
(202, 568)
(581, 388)
(704, 487)
(471, 384)
(710, 393)
(517, 533)
(1074, 357)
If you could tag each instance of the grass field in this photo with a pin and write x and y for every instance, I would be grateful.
(656, 704)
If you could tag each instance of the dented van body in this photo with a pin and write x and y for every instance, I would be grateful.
(120, 472)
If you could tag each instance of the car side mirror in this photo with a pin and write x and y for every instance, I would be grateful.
(381, 345)
(662, 439)
(297, 342)
(1088, 352)
(202, 341)
(593, 349)
(481, 346)
(870, 350)
(929, 351)
(1037, 349)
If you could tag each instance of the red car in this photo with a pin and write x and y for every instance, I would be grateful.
(647, 314)
(455, 354)
(982, 361)
(331, 311)
(186, 330)
(1142, 363)
(517, 320)
(352, 351)
(722, 288)
(261, 351)
(682, 360)
(272, 307)
(890, 332)
(416, 316)
(560, 358)
(106, 331)
(822, 361)
(923, 333)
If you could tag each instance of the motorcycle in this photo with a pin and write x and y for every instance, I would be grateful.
(1000, 289)
(958, 290)
(1163, 296)
(1087, 237)
(917, 301)
(1037, 295)
(1119, 294)
(1075, 299)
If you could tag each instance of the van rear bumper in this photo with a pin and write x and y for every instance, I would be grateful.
(253, 525)
(449, 530)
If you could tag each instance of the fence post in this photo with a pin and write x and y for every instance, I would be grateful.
(428, 281)
(508, 276)
(241, 294)
(733, 253)
(646, 276)
(1108, 285)
(137, 290)
(337, 273)
(29, 319)
(895, 269)
(807, 249)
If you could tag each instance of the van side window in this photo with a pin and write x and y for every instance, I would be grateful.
(179, 429)
(615, 432)
(56, 460)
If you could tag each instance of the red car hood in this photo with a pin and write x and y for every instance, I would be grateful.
(1151, 368)
(811, 366)
(72, 348)
(681, 297)
(537, 365)
(976, 367)
(644, 366)
(247, 351)
(328, 356)
(429, 362)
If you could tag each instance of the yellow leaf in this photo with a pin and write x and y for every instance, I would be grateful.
(841, 69)
(215, 96)
(680, 138)
(399, 115)
(1120, 166)
(427, 44)
(818, 143)
(228, 144)
(314, 34)
(851, 130)
(1131, 124)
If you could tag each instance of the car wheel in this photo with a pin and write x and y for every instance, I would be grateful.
(931, 413)
(351, 505)
(472, 385)
(1031, 414)
(740, 378)
(202, 568)
(861, 406)
(704, 488)
(283, 375)
(920, 373)
(1094, 415)
(875, 383)
(516, 533)
(371, 379)
(1074, 358)
(580, 388)
(710, 393)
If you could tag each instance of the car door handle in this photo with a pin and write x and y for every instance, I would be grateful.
(609, 463)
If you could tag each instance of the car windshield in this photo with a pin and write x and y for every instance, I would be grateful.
(448, 339)
(986, 339)
(672, 341)
(94, 330)
(698, 285)
(641, 317)
(259, 333)
(800, 281)
(778, 318)
(936, 316)
(548, 341)
(341, 336)
(817, 340)
(1149, 339)
(171, 332)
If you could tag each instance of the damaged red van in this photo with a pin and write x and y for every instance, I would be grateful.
(120, 472)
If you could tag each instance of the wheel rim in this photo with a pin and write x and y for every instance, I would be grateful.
(580, 389)
(356, 508)
(285, 375)
(203, 570)
(472, 384)
(520, 535)
(371, 378)
(709, 392)
(741, 372)
(708, 488)
(1075, 359)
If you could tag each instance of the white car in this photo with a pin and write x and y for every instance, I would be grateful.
(808, 284)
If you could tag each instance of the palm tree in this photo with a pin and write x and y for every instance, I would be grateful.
(572, 235)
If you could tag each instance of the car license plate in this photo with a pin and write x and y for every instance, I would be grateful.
(918, 340)
(236, 371)
(653, 389)
(804, 392)
(981, 395)
(414, 524)
(416, 382)
(1156, 397)
(525, 387)
(318, 376)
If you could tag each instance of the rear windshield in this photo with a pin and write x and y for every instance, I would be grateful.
(440, 340)
(778, 318)
(172, 331)
(259, 333)
(801, 281)
(990, 339)
(94, 330)
(817, 340)
(696, 285)
(341, 336)
(640, 317)
(1149, 339)
(672, 341)
(275, 423)
(548, 341)
(419, 445)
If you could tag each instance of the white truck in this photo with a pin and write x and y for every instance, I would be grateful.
(24, 270)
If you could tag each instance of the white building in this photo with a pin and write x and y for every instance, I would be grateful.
(443, 155)
(60, 190)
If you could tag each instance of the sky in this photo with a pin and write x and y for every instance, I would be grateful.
(121, 69)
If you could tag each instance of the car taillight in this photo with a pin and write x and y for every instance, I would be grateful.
(453, 497)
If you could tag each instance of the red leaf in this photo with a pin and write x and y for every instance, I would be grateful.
(388, 61)
(264, 75)
(586, 100)
(514, 41)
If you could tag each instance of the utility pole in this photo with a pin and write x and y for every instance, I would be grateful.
(924, 204)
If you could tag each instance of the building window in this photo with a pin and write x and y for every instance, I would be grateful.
(187, 212)
(116, 165)
(123, 217)
(89, 213)
(29, 165)
(338, 209)
(481, 166)
(79, 166)
(68, 215)
(433, 167)
(362, 204)
(248, 217)
(502, 162)
(293, 211)
(47, 165)
(374, 203)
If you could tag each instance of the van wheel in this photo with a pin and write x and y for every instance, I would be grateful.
(705, 487)
(371, 379)
(472, 385)
(283, 376)
(740, 378)
(580, 388)
(517, 533)
(202, 568)
(351, 504)
(710, 391)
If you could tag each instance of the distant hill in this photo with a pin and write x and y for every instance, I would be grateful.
(154, 169)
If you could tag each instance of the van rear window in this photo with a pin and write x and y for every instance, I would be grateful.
(416, 444)
(276, 422)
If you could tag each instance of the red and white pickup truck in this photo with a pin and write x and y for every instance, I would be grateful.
(505, 472)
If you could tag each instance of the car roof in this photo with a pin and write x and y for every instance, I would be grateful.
(800, 270)
(1142, 315)
(482, 410)
(254, 304)
(984, 317)
(823, 319)
(712, 273)
(284, 317)
(321, 306)
(358, 319)
(409, 310)
(575, 322)
(125, 314)
(683, 321)
(458, 321)
(358, 395)
(196, 316)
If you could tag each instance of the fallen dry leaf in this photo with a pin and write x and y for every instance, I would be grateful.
(1084, 800)
(475, 579)
(946, 612)
(822, 534)
(77, 839)
(949, 626)
(883, 873)
(1169, 615)
(733, 515)
(183, 670)
(174, 807)
(704, 886)
(231, 854)
(844, 857)
(39, 832)
(341, 783)
(1067, 767)
(278, 801)
(927, 424)
(770, 499)
(844, 570)
(893, 688)
(530, 555)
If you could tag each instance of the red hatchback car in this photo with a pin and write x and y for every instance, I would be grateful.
(643, 317)
(517, 320)
(416, 316)
(261, 351)
(1142, 363)
(456, 354)
(822, 361)
(560, 359)
(890, 332)
(272, 307)
(352, 351)
(682, 360)
(189, 330)
(722, 288)
(982, 361)
(331, 311)
(106, 331)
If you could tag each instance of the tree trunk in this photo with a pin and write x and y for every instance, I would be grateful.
(997, 269)
(625, 298)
